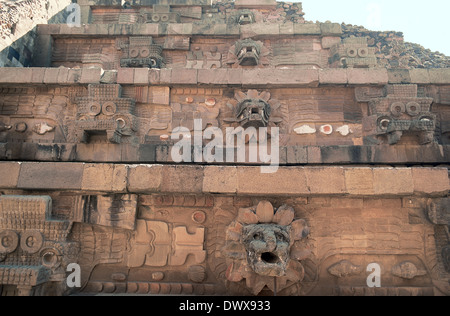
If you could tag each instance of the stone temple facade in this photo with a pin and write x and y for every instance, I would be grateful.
(356, 203)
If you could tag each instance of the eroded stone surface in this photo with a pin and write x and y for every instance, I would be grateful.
(363, 139)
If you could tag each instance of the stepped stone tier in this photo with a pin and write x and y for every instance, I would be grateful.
(90, 145)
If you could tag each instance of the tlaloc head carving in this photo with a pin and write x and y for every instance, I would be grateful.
(141, 52)
(402, 111)
(262, 248)
(104, 113)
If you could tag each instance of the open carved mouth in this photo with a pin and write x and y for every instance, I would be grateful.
(270, 258)
(254, 113)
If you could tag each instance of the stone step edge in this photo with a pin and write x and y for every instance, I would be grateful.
(223, 77)
(243, 180)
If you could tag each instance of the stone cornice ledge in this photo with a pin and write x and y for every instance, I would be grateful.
(291, 181)
(233, 77)
(256, 30)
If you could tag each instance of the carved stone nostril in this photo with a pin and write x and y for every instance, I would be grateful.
(269, 257)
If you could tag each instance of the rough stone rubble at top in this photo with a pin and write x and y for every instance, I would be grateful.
(391, 49)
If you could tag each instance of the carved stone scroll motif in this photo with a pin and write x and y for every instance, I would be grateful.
(156, 244)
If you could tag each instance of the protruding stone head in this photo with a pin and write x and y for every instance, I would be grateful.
(267, 248)
(248, 52)
(268, 241)
(266, 244)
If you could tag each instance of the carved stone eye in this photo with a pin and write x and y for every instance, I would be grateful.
(258, 236)
(156, 18)
(50, 258)
(383, 123)
(145, 52)
(351, 52)
(397, 108)
(164, 18)
(413, 108)
(281, 237)
(95, 109)
(363, 52)
(134, 53)
(109, 108)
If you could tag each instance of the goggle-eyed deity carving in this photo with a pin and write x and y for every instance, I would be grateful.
(400, 112)
(39, 254)
(354, 52)
(105, 112)
(142, 53)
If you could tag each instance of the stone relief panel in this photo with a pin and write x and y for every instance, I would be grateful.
(141, 52)
(437, 212)
(300, 53)
(192, 52)
(196, 103)
(389, 232)
(104, 112)
(354, 52)
(153, 14)
(34, 247)
(164, 254)
(76, 52)
(117, 210)
(201, 244)
(34, 114)
(154, 245)
(116, 114)
(219, 13)
(349, 278)
(401, 112)
(159, 14)
(199, 59)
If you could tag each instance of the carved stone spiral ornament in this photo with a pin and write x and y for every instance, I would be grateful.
(9, 241)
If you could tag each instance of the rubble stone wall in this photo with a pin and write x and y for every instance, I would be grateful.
(393, 52)
(18, 21)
